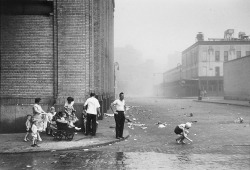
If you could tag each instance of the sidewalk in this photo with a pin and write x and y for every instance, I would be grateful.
(13, 143)
(220, 100)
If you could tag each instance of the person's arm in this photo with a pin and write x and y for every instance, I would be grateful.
(39, 110)
(98, 111)
(112, 105)
(187, 138)
(62, 121)
(185, 135)
(124, 106)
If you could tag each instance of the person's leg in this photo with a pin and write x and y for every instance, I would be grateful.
(88, 124)
(33, 141)
(122, 120)
(93, 125)
(119, 123)
(116, 125)
(83, 125)
(181, 138)
(39, 137)
(26, 137)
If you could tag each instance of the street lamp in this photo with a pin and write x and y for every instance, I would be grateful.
(116, 66)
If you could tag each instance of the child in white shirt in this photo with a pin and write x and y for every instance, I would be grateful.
(28, 128)
(34, 133)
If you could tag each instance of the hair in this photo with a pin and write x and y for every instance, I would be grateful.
(70, 99)
(92, 94)
(29, 115)
(121, 93)
(188, 125)
(37, 100)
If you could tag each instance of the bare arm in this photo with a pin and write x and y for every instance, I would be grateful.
(39, 111)
(185, 135)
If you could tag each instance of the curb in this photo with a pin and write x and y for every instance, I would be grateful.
(222, 103)
(68, 149)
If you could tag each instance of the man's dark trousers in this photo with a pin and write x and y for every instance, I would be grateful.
(91, 124)
(119, 123)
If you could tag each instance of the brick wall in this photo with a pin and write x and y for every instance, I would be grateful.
(68, 52)
(26, 62)
(237, 79)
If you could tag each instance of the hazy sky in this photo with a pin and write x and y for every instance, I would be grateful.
(160, 27)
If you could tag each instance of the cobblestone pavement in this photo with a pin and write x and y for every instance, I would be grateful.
(219, 140)
(215, 128)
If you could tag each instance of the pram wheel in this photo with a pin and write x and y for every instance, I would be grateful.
(70, 136)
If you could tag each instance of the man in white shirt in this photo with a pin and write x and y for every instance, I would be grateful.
(93, 109)
(119, 115)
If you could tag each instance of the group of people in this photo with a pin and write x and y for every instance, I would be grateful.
(41, 121)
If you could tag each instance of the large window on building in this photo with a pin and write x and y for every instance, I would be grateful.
(217, 71)
(238, 54)
(217, 55)
(225, 55)
(247, 53)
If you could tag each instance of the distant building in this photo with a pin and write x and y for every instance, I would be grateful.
(237, 79)
(202, 63)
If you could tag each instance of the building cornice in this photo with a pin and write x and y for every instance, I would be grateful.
(232, 42)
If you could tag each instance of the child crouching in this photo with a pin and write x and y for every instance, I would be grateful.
(182, 131)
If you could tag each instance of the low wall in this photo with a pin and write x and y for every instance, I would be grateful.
(237, 79)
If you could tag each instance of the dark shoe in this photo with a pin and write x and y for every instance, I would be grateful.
(33, 145)
(117, 137)
(86, 134)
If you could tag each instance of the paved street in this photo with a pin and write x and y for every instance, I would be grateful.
(219, 140)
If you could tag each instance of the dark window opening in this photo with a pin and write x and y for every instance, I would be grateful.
(26, 7)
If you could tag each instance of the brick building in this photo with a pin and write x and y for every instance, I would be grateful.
(237, 79)
(53, 49)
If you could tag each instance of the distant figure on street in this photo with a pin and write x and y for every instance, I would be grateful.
(119, 115)
(182, 132)
(28, 128)
(205, 93)
(92, 111)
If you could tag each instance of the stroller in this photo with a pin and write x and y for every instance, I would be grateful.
(63, 130)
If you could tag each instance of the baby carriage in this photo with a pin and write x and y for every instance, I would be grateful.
(63, 130)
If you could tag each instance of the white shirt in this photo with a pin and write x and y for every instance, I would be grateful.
(119, 105)
(93, 104)
(34, 130)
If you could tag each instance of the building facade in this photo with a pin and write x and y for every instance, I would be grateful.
(202, 65)
(203, 61)
(237, 79)
(54, 49)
